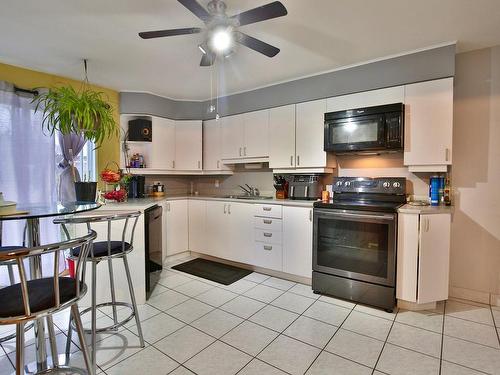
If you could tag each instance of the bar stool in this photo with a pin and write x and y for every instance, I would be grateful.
(106, 251)
(10, 269)
(43, 297)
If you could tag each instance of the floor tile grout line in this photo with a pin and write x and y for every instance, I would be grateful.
(495, 325)
(467, 367)
(471, 321)
(385, 342)
(442, 339)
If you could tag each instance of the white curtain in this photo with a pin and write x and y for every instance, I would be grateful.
(27, 164)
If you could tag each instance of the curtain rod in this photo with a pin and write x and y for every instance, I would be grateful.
(26, 91)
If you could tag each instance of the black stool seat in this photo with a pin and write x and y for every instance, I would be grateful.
(101, 248)
(41, 296)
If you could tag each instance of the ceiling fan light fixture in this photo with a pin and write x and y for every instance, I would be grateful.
(221, 40)
(203, 49)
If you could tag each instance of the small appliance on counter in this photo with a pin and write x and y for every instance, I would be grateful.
(136, 187)
(158, 190)
(281, 186)
(305, 187)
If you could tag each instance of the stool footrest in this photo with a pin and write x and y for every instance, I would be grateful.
(113, 326)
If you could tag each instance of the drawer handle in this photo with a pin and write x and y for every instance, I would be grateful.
(267, 208)
(268, 247)
(268, 234)
(268, 221)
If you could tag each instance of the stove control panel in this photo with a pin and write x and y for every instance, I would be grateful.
(378, 185)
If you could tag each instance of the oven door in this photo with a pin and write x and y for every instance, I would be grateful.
(356, 245)
(361, 133)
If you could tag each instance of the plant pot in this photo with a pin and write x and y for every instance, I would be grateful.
(86, 191)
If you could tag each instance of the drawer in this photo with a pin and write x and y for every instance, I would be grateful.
(269, 224)
(268, 210)
(268, 236)
(268, 256)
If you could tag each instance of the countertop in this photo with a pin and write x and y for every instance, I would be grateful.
(144, 203)
(409, 209)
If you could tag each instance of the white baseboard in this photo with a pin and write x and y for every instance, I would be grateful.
(412, 306)
(495, 299)
(469, 294)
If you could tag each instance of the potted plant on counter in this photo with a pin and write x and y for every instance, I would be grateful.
(84, 115)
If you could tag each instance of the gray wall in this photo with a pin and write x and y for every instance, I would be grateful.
(415, 67)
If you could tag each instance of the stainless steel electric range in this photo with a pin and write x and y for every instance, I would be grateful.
(355, 238)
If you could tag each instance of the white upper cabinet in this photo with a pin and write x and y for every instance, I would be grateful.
(212, 146)
(163, 144)
(428, 125)
(188, 145)
(256, 134)
(282, 137)
(366, 99)
(233, 136)
(309, 134)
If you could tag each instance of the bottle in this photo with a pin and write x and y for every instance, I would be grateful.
(434, 191)
(447, 192)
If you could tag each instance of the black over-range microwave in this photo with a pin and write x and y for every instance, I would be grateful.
(372, 129)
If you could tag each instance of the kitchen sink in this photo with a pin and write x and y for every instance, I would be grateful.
(248, 197)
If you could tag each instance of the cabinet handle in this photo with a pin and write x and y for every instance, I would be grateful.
(266, 247)
(240, 151)
(291, 160)
(173, 164)
(298, 160)
(218, 164)
(168, 207)
(267, 208)
(428, 224)
(199, 164)
(229, 209)
(267, 234)
(225, 207)
(310, 215)
(447, 154)
(245, 151)
(267, 221)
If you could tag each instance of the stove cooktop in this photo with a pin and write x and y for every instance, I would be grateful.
(359, 205)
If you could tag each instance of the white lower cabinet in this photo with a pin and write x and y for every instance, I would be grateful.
(177, 226)
(423, 257)
(297, 240)
(197, 212)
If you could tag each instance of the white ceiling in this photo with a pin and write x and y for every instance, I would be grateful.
(316, 36)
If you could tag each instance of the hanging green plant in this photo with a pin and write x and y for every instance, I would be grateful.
(85, 111)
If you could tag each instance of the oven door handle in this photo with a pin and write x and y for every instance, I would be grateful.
(361, 216)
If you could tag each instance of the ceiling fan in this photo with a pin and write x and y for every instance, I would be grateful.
(221, 31)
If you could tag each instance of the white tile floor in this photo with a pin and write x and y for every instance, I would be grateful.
(265, 325)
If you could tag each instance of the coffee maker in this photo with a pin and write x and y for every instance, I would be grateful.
(136, 187)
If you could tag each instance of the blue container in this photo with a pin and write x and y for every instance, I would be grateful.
(434, 187)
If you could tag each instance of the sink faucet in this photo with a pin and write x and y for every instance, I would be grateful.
(250, 190)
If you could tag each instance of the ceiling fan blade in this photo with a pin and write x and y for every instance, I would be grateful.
(265, 12)
(172, 32)
(207, 59)
(195, 8)
(256, 44)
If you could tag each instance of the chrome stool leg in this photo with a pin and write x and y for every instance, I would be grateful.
(81, 336)
(94, 317)
(112, 287)
(52, 339)
(132, 298)
(20, 349)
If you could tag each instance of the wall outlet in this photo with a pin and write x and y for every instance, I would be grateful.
(217, 183)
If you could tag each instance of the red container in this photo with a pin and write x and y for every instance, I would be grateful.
(71, 268)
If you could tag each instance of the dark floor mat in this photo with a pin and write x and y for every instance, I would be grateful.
(214, 271)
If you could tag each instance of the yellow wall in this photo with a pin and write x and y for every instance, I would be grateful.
(28, 79)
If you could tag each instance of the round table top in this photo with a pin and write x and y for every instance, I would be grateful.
(38, 210)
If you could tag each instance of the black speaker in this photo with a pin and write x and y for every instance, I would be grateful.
(140, 130)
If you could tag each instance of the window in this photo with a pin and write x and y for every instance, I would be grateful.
(85, 161)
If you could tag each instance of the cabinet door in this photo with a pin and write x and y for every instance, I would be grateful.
(163, 144)
(282, 137)
(428, 123)
(310, 134)
(232, 137)
(211, 145)
(239, 232)
(434, 258)
(297, 241)
(366, 99)
(256, 134)
(177, 226)
(216, 240)
(188, 145)
(407, 257)
(197, 210)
